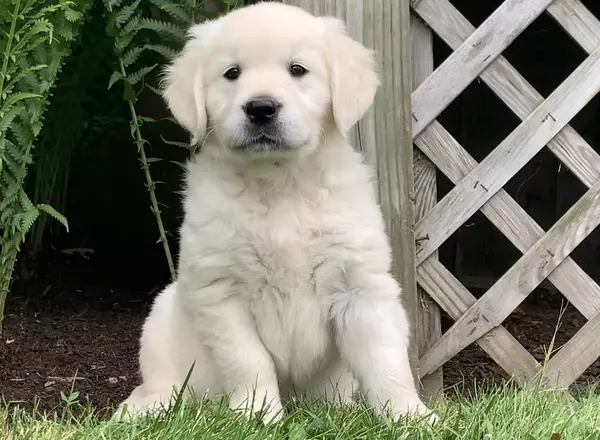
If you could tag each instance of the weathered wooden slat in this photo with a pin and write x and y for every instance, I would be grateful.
(578, 21)
(509, 217)
(471, 58)
(385, 27)
(522, 98)
(518, 282)
(484, 282)
(397, 85)
(502, 347)
(514, 90)
(365, 130)
(581, 351)
(429, 324)
(511, 155)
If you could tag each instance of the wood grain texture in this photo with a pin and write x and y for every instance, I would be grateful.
(398, 168)
(465, 64)
(514, 90)
(475, 189)
(568, 146)
(429, 324)
(518, 282)
(498, 343)
(581, 351)
(578, 22)
(384, 134)
(510, 218)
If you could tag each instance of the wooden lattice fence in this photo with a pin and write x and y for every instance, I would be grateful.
(478, 186)
(402, 170)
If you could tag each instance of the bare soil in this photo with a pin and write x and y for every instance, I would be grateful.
(75, 327)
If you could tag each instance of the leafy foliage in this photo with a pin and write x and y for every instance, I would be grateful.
(36, 35)
(141, 28)
(80, 112)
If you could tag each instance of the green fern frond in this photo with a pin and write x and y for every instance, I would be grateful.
(111, 5)
(164, 29)
(154, 90)
(16, 97)
(73, 15)
(2, 148)
(25, 201)
(16, 154)
(10, 196)
(5, 215)
(35, 39)
(27, 9)
(13, 80)
(36, 126)
(132, 26)
(185, 145)
(136, 30)
(54, 214)
(7, 118)
(28, 46)
(7, 181)
(125, 13)
(41, 26)
(20, 132)
(63, 28)
(28, 219)
(166, 51)
(128, 33)
(116, 76)
(13, 166)
(138, 75)
(132, 55)
(178, 11)
(6, 212)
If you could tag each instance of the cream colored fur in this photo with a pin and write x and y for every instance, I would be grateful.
(284, 281)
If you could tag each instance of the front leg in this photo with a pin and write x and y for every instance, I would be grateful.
(244, 365)
(372, 335)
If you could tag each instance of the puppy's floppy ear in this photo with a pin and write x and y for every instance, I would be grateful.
(183, 83)
(353, 78)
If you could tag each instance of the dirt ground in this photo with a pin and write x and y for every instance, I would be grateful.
(77, 327)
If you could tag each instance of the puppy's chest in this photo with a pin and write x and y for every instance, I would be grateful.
(292, 256)
(291, 270)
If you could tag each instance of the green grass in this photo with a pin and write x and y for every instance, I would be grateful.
(497, 415)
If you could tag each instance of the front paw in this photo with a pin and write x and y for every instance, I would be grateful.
(269, 404)
(129, 411)
(416, 407)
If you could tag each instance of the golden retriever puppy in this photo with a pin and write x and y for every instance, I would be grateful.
(284, 281)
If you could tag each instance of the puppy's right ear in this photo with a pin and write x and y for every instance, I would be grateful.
(353, 76)
(183, 83)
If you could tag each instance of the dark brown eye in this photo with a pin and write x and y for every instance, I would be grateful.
(232, 73)
(298, 70)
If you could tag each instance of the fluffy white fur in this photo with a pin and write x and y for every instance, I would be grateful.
(284, 281)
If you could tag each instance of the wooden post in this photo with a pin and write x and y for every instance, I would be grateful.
(384, 134)
(429, 325)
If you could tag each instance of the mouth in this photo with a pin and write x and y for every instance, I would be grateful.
(262, 144)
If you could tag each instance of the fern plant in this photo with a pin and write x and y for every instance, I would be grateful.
(144, 30)
(78, 110)
(36, 35)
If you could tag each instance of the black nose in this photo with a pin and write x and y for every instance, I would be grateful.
(261, 110)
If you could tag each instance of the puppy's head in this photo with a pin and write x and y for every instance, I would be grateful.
(269, 79)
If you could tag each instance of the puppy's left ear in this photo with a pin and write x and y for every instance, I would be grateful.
(353, 77)
(183, 83)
